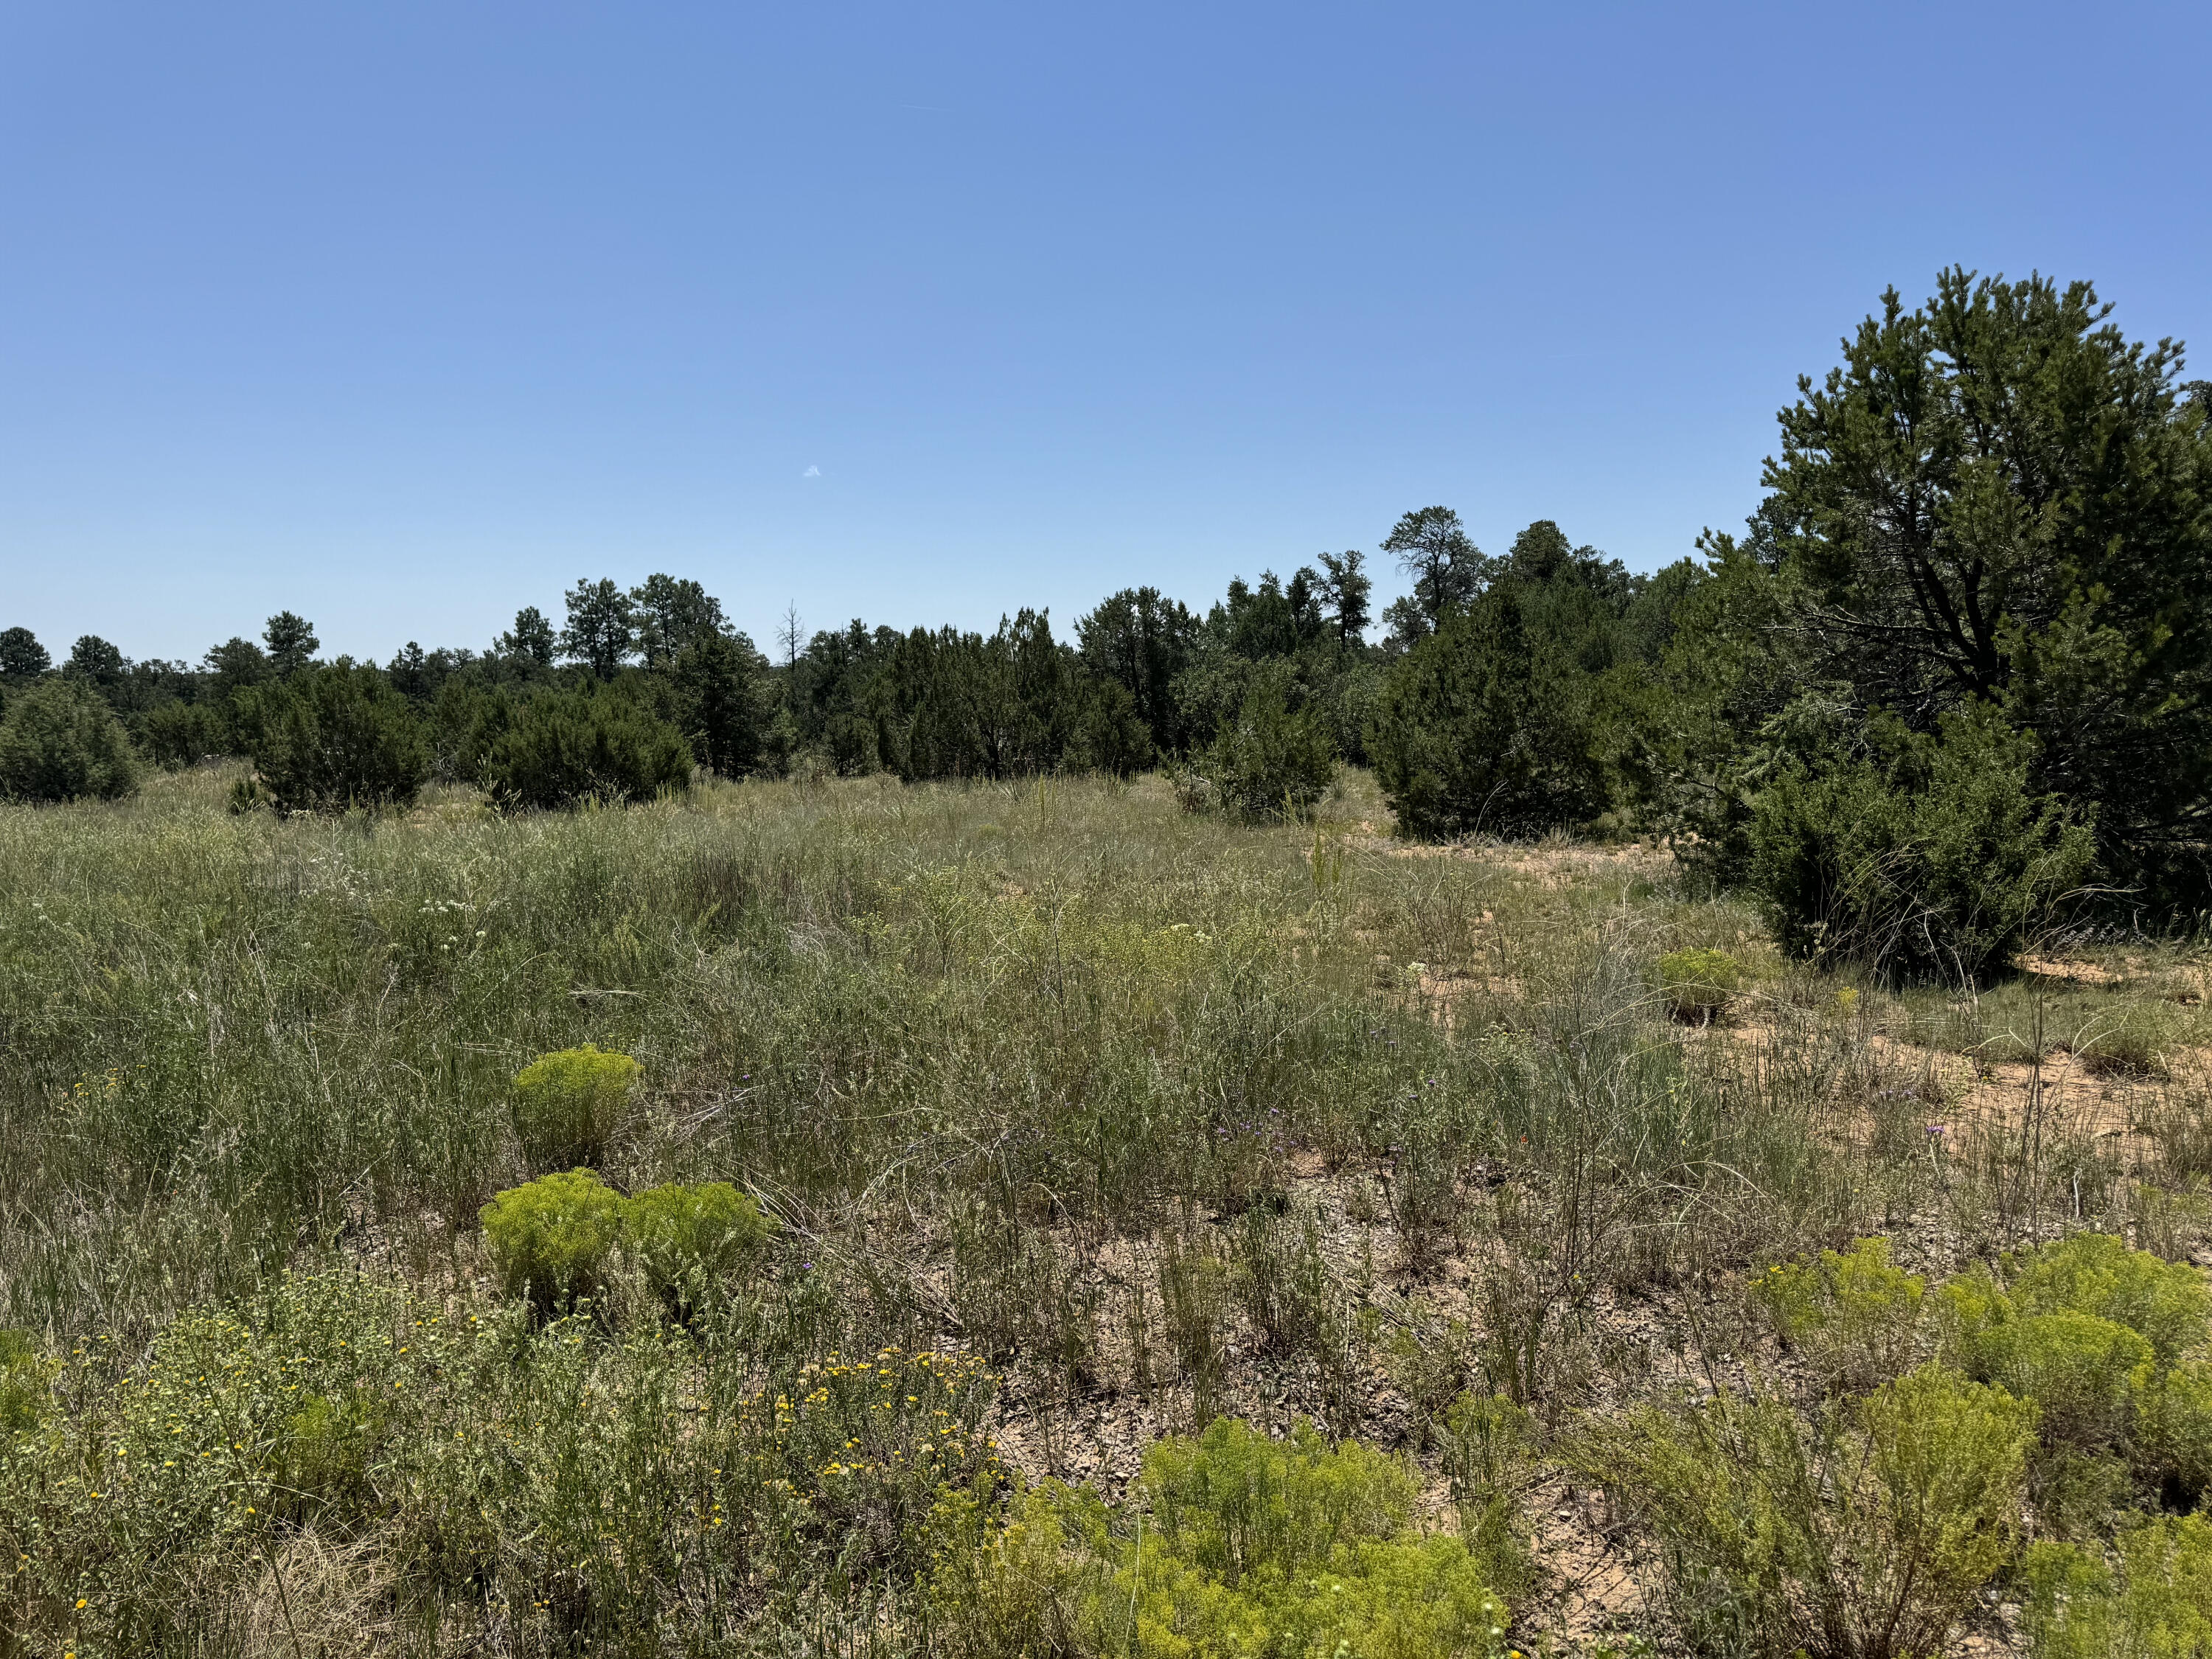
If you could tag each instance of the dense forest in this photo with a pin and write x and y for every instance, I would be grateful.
(1949, 679)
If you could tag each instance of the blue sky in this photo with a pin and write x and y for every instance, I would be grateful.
(402, 316)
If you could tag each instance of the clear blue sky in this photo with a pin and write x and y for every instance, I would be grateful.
(403, 316)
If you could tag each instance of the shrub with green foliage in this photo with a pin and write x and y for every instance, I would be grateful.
(2074, 1366)
(550, 1237)
(176, 734)
(1110, 733)
(1926, 856)
(2107, 1342)
(1489, 1444)
(567, 1103)
(328, 738)
(1248, 1546)
(1854, 1315)
(1699, 985)
(23, 1379)
(1997, 495)
(60, 741)
(147, 1498)
(2154, 1602)
(857, 1453)
(1868, 1534)
(1269, 762)
(686, 1237)
(562, 748)
(553, 1237)
(1509, 719)
(2168, 1304)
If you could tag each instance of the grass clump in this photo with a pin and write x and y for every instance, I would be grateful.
(1699, 984)
(1489, 1449)
(2131, 1040)
(568, 1104)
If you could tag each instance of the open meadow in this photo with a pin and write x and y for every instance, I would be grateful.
(1075, 1123)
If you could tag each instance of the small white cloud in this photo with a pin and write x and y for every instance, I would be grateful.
(811, 472)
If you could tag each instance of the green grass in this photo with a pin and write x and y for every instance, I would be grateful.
(1142, 1116)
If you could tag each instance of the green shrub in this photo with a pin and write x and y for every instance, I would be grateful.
(1699, 985)
(326, 1448)
(562, 748)
(687, 1237)
(1247, 1545)
(333, 737)
(176, 734)
(1929, 856)
(2100, 1337)
(2154, 1602)
(1854, 1316)
(1868, 1534)
(1495, 725)
(2166, 1302)
(1268, 761)
(566, 1104)
(23, 1379)
(2074, 1366)
(138, 1512)
(1110, 734)
(852, 744)
(60, 741)
(2171, 1429)
(550, 1237)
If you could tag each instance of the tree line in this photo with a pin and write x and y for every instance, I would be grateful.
(1952, 670)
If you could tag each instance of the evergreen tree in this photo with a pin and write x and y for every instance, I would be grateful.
(601, 632)
(716, 680)
(291, 640)
(22, 657)
(1144, 641)
(601, 742)
(334, 737)
(1346, 588)
(669, 615)
(1111, 736)
(1448, 569)
(96, 662)
(1999, 497)
(531, 642)
(235, 665)
(60, 741)
(1521, 713)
